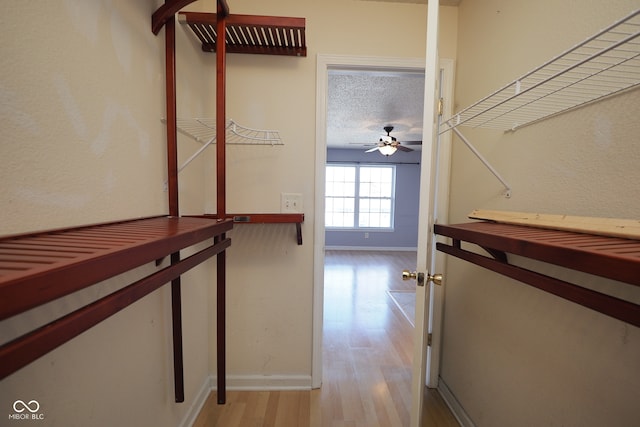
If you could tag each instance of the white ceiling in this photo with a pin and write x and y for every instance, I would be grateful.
(361, 103)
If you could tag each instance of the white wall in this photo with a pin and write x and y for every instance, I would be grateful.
(514, 355)
(82, 89)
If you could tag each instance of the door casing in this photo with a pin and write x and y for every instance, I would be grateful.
(324, 64)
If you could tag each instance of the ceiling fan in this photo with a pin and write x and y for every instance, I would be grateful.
(388, 144)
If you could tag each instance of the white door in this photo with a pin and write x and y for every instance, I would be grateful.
(423, 365)
(434, 180)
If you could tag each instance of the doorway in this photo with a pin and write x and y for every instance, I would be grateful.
(324, 65)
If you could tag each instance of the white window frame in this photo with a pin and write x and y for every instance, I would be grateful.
(358, 198)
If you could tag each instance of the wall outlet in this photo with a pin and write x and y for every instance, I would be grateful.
(291, 203)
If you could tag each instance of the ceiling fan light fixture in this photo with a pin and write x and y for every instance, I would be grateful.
(387, 150)
(387, 139)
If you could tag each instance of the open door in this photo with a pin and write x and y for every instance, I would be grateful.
(425, 275)
(430, 187)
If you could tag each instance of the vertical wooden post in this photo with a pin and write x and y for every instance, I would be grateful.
(172, 134)
(221, 54)
(176, 317)
(221, 118)
(172, 180)
(221, 326)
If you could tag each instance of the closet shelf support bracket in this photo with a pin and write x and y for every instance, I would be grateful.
(507, 187)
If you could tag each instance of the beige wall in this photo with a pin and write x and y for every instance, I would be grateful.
(270, 277)
(83, 143)
(514, 355)
(82, 87)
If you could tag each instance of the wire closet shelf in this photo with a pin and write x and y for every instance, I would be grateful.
(204, 130)
(603, 65)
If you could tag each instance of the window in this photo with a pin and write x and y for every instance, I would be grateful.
(359, 196)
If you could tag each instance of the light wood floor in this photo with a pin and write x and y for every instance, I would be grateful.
(366, 360)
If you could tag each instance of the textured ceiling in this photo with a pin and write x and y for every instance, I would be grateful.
(361, 103)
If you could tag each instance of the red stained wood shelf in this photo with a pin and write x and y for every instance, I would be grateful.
(265, 218)
(168, 10)
(611, 257)
(252, 34)
(221, 33)
(40, 267)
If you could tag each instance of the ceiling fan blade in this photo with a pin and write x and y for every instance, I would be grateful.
(403, 148)
(363, 144)
(412, 142)
(372, 149)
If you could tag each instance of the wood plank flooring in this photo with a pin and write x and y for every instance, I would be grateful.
(366, 358)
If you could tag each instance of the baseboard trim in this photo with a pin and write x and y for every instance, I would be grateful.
(295, 382)
(370, 248)
(453, 404)
(268, 382)
(198, 403)
(245, 383)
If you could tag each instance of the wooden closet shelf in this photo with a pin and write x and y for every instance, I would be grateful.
(168, 10)
(39, 267)
(266, 218)
(253, 34)
(611, 257)
(238, 34)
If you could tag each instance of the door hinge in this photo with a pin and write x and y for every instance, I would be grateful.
(429, 339)
(440, 106)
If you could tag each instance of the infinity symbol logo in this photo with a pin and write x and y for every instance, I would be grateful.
(19, 406)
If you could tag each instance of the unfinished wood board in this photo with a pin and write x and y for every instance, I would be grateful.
(615, 227)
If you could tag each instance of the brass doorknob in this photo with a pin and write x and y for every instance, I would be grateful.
(435, 278)
(408, 275)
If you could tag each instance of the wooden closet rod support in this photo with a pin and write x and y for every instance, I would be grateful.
(264, 218)
(176, 327)
(172, 193)
(617, 308)
(171, 7)
(221, 183)
(165, 16)
(28, 348)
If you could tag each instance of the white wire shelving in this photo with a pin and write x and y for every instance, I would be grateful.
(605, 64)
(204, 130)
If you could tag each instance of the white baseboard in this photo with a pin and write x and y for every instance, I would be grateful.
(245, 382)
(370, 248)
(295, 382)
(454, 405)
(198, 403)
(268, 382)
